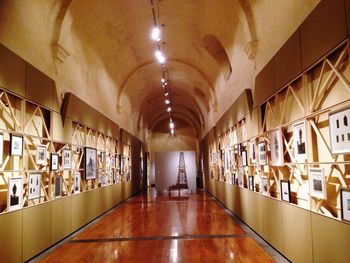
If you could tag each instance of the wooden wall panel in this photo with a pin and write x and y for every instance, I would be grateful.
(272, 222)
(323, 29)
(56, 99)
(297, 237)
(331, 239)
(78, 211)
(92, 204)
(11, 237)
(36, 229)
(255, 212)
(61, 132)
(12, 71)
(61, 219)
(287, 61)
(39, 87)
(347, 13)
(106, 198)
(264, 83)
(76, 108)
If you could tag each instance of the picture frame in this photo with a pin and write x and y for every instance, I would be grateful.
(41, 152)
(76, 183)
(15, 193)
(34, 186)
(345, 204)
(113, 161)
(90, 163)
(117, 162)
(252, 151)
(339, 131)
(16, 145)
(244, 158)
(317, 183)
(232, 158)
(262, 153)
(251, 182)
(66, 159)
(54, 161)
(58, 186)
(240, 178)
(227, 159)
(299, 142)
(265, 185)
(276, 147)
(285, 191)
(1, 148)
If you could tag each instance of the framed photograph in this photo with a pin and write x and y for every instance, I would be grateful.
(262, 153)
(108, 161)
(34, 186)
(76, 184)
(252, 151)
(232, 158)
(117, 162)
(41, 154)
(15, 193)
(240, 178)
(345, 204)
(16, 145)
(122, 167)
(251, 183)
(90, 163)
(239, 149)
(285, 191)
(227, 159)
(299, 135)
(66, 159)
(276, 147)
(265, 185)
(58, 186)
(317, 182)
(339, 131)
(77, 149)
(1, 147)
(113, 162)
(54, 162)
(244, 158)
(102, 157)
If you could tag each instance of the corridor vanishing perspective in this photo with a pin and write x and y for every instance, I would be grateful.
(165, 228)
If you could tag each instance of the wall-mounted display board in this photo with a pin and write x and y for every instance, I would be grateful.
(38, 169)
(300, 150)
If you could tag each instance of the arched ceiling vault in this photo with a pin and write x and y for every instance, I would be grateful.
(102, 52)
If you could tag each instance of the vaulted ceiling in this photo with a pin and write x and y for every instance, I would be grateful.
(102, 52)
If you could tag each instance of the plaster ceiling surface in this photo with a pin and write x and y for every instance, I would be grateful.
(102, 52)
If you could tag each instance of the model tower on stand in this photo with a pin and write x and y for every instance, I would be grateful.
(181, 175)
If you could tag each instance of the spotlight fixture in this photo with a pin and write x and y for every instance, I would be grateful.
(171, 125)
(168, 109)
(166, 94)
(172, 131)
(155, 35)
(160, 57)
(162, 80)
(167, 101)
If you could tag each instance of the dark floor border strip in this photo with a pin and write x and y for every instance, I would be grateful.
(184, 237)
(170, 201)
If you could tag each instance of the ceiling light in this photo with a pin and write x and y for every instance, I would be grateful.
(162, 80)
(171, 125)
(155, 35)
(166, 94)
(172, 131)
(168, 109)
(167, 101)
(161, 59)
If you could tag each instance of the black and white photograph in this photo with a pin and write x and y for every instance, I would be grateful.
(265, 185)
(16, 145)
(244, 158)
(76, 183)
(41, 154)
(276, 147)
(58, 186)
(34, 186)
(66, 159)
(299, 135)
(345, 204)
(1, 148)
(15, 193)
(317, 183)
(251, 183)
(90, 163)
(285, 191)
(54, 162)
(339, 130)
(252, 151)
(262, 153)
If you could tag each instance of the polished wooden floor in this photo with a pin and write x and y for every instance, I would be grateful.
(152, 228)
